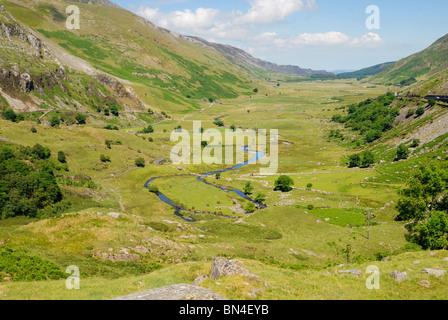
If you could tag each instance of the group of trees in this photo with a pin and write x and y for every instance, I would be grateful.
(370, 118)
(27, 181)
(424, 205)
(363, 160)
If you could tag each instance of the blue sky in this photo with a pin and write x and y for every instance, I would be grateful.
(318, 34)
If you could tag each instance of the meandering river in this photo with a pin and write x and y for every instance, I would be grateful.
(178, 209)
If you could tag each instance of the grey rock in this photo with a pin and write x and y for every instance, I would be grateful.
(221, 267)
(434, 272)
(416, 262)
(199, 280)
(353, 272)
(425, 284)
(114, 215)
(174, 292)
(399, 276)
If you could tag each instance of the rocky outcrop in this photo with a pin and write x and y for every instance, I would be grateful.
(434, 272)
(175, 292)
(199, 280)
(221, 267)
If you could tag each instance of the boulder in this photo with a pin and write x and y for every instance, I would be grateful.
(399, 276)
(114, 215)
(434, 272)
(174, 292)
(199, 280)
(425, 284)
(221, 267)
(353, 272)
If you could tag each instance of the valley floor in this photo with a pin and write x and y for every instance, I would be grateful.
(124, 239)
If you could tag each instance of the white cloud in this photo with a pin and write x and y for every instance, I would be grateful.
(332, 38)
(263, 11)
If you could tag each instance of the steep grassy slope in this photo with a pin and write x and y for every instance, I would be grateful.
(370, 71)
(419, 66)
(166, 72)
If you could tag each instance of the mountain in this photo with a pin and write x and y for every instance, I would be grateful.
(105, 3)
(247, 61)
(419, 66)
(370, 71)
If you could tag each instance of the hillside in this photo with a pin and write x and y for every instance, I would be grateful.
(363, 73)
(245, 60)
(419, 66)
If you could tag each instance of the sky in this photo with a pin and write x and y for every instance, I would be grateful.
(328, 35)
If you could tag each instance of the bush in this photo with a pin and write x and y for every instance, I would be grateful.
(153, 189)
(420, 111)
(55, 122)
(81, 118)
(250, 207)
(354, 161)
(219, 123)
(402, 152)
(415, 143)
(140, 162)
(260, 198)
(367, 159)
(61, 157)
(104, 158)
(284, 183)
(33, 130)
(148, 129)
(310, 207)
(309, 186)
(248, 188)
(111, 127)
(10, 115)
(432, 102)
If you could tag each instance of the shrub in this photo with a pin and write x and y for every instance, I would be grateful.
(310, 207)
(81, 118)
(415, 143)
(260, 198)
(55, 122)
(111, 127)
(367, 159)
(153, 189)
(250, 207)
(33, 130)
(432, 102)
(309, 185)
(10, 115)
(354, 161)
(140, 162)
(248, 188)
(61, 157)
(284, 183)
(148, 129)
(420, 111)
(402, 152)
(104, 158)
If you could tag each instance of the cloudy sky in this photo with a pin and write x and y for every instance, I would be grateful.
(318, 34)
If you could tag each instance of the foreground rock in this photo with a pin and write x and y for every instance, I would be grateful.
(399, 276)
(434, 272)
(425, 284)
(175, 292)
(221, 267)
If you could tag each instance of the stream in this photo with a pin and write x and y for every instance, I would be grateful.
(178, 209)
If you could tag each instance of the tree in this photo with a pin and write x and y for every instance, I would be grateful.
(33, 130)
(148, 129)
(233, 127)
(81, 118)
(219, 123)
(218, 175)
(309, 186)
(424, 204)
(354, 161)
(114, 110)
(256, 90)
(248, 188)
(108, 144)
(415, 143)
(250, 207)
(284, 183)
(432, 102)
(106, 112)
(204, 144)
(61, 157)
(10, 115)
(367, 159)
(260, 198)
(55, 122)
(104, 158)
(420, 111)
(140, 162)
(402, 152)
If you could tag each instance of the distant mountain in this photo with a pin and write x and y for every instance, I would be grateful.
(363, 73)
(419, 66)
(247, 61)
